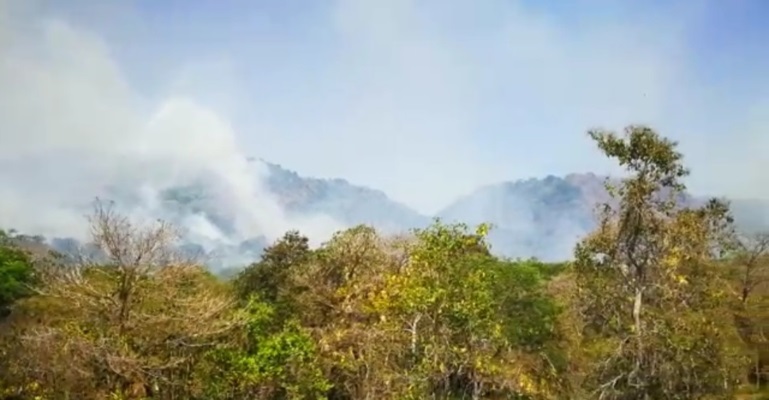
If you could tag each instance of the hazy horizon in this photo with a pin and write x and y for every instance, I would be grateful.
(423, 100)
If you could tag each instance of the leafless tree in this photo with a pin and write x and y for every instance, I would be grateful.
(131, 320)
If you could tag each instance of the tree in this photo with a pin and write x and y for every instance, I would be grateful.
(134, 324)
(751, 277)
(272, 356)
(269, 279)
(268, 358)
(645, 279)
(753, 259)
(334, 288)
(463, 324)
(16, 274)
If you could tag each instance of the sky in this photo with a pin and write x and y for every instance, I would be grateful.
(425, 100)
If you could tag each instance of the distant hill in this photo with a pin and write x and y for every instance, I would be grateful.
(541, 218)
(347, 203)
(546, 217)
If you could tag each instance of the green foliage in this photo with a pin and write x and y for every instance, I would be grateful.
(656, 324)
(476, 326)
(518, 288)
(16, 274)
(660, 302)
(267, 363)
(269, 279)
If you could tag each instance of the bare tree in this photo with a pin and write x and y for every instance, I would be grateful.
(134, 320)
(754, 261)
(752, 281)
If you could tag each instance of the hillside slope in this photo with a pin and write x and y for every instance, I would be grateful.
(541, 218)
(546, 217)
(344, 202)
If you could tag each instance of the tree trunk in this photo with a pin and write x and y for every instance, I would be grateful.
(638, 330)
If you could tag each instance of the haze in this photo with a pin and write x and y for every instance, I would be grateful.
(425, 100)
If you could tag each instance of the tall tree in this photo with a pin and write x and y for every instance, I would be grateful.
(645, 279)
(751, 278)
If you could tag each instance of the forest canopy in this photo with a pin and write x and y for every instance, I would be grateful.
(662, 301)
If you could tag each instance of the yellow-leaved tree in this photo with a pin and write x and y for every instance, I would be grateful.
(651, 299)
(132, 324)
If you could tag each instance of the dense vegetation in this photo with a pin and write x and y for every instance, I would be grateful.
(660, 302)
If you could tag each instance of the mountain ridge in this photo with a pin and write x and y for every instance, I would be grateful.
(535, 217)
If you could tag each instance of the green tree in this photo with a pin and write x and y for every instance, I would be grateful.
(269, 279)
(16, 274)
(272, 356)
(268, 359)
(464, 324)
(648, 290)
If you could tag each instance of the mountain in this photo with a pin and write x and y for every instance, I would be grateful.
(541, 218)
(344, 202)
(751, 215)
(545, 218)
(211, 227)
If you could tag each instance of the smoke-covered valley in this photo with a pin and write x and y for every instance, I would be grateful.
(542, 218)
(75, 126)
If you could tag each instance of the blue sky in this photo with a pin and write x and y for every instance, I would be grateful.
(425, 100)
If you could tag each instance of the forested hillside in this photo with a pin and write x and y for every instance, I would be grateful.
(663, 299)
(542, 218)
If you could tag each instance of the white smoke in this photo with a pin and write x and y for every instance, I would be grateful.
(72, 128)
(435, 98)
